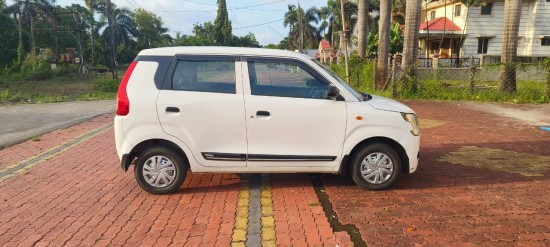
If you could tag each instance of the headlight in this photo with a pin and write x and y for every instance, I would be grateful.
(411, 118)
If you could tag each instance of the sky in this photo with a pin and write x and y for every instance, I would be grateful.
(263, 18)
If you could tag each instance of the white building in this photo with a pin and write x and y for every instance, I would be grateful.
(454, 30)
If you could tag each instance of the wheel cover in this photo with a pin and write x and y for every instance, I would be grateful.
(159, 171)
(377, 168)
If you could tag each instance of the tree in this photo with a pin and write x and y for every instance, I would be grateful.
(223, 25)
(410, 46)
(27, 11)
(149, 29)
(383, 44)
(92, 6)
(8, 40)
(119, 31)
(512, 14)
(324, 16)
(363, 28)
(248, 40)
(205, 33)
(301, 26)
(396, 40)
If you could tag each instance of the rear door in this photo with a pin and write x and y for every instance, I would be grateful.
(290, 121)
(201, 104)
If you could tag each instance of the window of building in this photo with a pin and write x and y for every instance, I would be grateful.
(284, 79)
(545, 40)
(432, 15)
(457, 9)
(487, 9)
(482, 45)
(205, 76)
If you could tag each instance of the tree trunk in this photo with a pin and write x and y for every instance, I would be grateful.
(383, 43)
(93, 44)
(55, 38)
(512, 14)
(412, 25)
(410, 44)
(20, 47)
(32, 35)
(362, 27)
(112, 34)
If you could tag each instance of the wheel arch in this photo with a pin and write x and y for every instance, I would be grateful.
(345, 166)
(151, 143)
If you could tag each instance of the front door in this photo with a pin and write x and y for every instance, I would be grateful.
(290, 121)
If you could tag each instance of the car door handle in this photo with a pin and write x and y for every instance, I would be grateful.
(263, 113)
(172, 109)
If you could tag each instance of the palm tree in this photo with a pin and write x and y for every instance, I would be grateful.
(27, 11)
(92, 6)
(363, 28)
(335, 23)
(324, 16)
(383, 44)
(512, 14)
(123, 25)
(301, 29)
(410, 46)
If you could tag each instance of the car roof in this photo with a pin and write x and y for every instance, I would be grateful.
(221, 50)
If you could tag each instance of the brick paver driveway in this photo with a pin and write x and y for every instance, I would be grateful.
(483, 180)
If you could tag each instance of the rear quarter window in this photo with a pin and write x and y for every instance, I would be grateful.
(204, 76)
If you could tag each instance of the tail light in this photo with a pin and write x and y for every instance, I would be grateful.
(123, 103)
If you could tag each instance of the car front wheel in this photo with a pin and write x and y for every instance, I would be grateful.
(376, 166)
(159, 170)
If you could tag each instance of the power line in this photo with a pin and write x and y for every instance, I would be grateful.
(261, 24)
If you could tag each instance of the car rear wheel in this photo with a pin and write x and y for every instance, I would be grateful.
(376, 166)
(159, 170)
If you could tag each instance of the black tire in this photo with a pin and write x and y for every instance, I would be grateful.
(171, 159)
(371, 149)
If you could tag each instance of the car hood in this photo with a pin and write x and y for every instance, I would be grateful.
(385, 104)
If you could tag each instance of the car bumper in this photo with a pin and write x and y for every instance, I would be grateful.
(411, 144)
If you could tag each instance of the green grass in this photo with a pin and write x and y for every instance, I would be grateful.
(362, 79)
(67, 87)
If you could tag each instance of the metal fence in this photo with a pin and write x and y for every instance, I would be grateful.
(456, 79)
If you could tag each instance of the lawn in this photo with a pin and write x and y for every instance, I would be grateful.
(67, 87)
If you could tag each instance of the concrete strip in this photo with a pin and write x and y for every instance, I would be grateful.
(19, 123)
(254, 234)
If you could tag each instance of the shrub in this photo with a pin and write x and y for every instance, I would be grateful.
(106, 85)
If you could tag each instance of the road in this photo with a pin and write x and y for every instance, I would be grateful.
(483, 180)
(24, 121)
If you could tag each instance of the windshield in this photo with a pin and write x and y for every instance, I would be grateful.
(356, 94)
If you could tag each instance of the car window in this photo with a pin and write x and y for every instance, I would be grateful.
(204, 76)
(284, 79)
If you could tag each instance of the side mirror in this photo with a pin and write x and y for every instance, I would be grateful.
(333, 92)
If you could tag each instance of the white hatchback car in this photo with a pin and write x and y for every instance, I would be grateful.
(248, 110)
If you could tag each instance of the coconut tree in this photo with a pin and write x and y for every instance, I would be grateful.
(302, 30)
(92, 7)
(324, 16)
(123, 25)
(383, 43)
(362, 11)
(27, 12)
(512, 14)
(410, 46)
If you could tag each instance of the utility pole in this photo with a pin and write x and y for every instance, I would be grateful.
(112, 34)
(345, 39)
